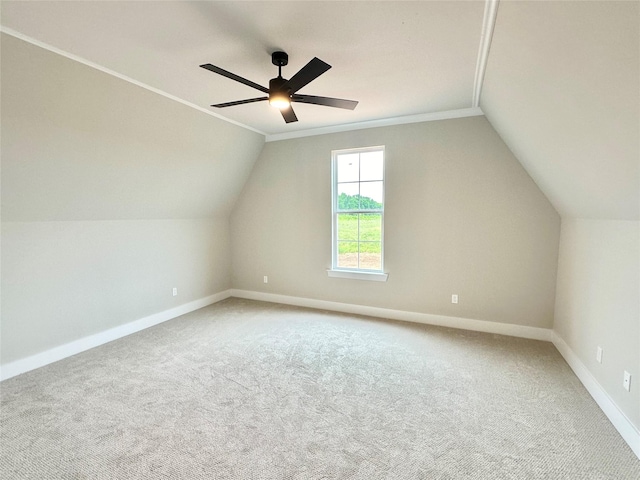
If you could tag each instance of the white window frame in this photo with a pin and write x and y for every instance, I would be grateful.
(354, 273)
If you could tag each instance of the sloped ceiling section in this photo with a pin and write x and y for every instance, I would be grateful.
(562, 88)
(396, 58)
(106, 149)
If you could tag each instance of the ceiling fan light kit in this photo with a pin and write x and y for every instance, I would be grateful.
(279, 94)
(282, 92)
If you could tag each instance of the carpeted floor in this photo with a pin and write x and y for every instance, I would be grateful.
(250, 390)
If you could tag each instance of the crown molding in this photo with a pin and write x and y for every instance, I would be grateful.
(384, 122)
(488, 24)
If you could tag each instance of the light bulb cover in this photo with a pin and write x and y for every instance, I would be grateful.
(279, 101)
(279, 96)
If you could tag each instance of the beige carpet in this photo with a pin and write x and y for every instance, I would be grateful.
(249, 390)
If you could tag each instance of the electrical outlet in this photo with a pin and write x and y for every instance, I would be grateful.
(454, 298)
(175, 291)
(266, 279)
(626, 383)
(599, 355)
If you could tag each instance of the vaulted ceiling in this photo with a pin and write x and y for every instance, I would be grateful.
(395, 58)
(562, 88)
(562, 83)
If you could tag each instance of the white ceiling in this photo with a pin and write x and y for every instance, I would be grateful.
(395, 58)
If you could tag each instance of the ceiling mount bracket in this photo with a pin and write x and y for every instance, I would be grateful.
(279, 59)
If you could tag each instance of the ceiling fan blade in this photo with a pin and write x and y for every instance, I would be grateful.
(289, 115)
(327, 101)
(235, 77)
(308, 73)
(239, 102)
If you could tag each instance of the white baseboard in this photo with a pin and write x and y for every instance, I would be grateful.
(627, 430)
(619, 420)
(509, 329)
(72, 348)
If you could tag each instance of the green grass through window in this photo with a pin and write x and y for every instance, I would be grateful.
(368, 235)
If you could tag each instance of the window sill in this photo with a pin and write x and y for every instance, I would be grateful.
(353, 275)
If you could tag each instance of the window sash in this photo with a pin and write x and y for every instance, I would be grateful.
(336, 211)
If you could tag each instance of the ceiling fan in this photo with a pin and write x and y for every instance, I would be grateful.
(282, 92)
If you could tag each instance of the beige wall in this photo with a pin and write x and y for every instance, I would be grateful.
(111, 196)
(598, 303)
(62, 281)
(462, 216)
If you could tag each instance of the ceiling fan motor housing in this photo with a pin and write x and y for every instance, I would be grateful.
(279, 84)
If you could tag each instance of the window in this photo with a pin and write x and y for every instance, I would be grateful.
(358, 210)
